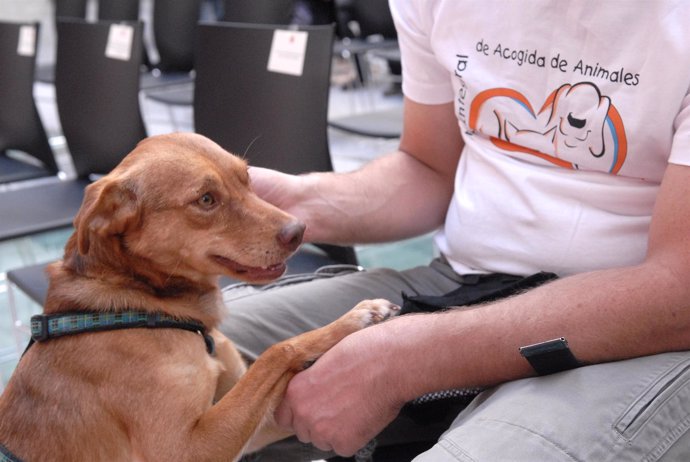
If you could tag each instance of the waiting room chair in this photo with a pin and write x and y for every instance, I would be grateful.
(97, 92)
(366, 26)
(249, 11)
(170, 81)
(384, 123)
(70, 8)
(273, 119)
(259, 11)
(118, 10)
(174, 26)
(369, 31)
(107, 10)
(21, 128)
(98, 104)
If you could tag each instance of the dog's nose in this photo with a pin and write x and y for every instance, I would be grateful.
(291, 235)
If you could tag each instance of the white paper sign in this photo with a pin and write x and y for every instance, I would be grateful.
(119, 45)
(27, 41)
(287, 52)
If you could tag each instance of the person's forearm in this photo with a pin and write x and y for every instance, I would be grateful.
(399, 195)
(359, 207)
(604, 315)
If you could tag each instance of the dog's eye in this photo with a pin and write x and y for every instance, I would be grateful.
(207, 200)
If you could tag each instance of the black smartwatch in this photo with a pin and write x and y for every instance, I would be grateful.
(550, 357)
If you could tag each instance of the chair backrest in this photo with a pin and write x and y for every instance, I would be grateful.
(374, 18)
(118, 10)
(108, 10)
(20, 125)
(174, 26)
(259, 11)
(274, 119)
(70, 8)
(97, 91)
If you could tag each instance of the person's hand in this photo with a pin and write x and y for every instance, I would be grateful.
(280, 189)
(291, 193)
(347, 397)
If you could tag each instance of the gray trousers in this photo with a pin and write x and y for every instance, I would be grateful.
(634, 410)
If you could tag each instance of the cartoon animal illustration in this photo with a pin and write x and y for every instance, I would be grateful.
(577, 127)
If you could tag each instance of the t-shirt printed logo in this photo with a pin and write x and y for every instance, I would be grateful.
(576, 127)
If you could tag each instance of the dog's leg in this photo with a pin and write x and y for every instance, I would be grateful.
(268, 432)
(234, 366)
(237, 416)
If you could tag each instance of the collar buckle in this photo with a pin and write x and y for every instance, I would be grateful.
(39, 328)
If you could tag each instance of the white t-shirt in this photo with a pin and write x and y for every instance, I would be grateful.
(570, 112)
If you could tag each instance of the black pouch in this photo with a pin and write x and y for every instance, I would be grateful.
(475, 289)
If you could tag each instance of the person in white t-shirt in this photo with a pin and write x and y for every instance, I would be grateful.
(549, 136)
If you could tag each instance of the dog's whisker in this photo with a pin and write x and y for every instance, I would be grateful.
(244, 154)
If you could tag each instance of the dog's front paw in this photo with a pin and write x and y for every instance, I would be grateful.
(374, 311)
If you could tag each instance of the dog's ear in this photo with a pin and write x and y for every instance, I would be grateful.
(110, 208)
(598, 124)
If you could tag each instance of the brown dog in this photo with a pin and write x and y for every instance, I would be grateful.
(152, 237)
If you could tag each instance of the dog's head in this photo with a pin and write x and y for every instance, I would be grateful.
(179, 206)
(580, 111)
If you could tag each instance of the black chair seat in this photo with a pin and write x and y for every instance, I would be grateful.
(154, 80)
(40, 207)
(380, 124)
(12, 170)
(354, 46)
(32, 280)
(176, 95)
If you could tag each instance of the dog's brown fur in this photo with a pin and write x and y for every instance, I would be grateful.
(154, 235)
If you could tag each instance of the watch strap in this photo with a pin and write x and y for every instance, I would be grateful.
(550, 357)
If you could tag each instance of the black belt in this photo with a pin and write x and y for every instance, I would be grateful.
(475, 289)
